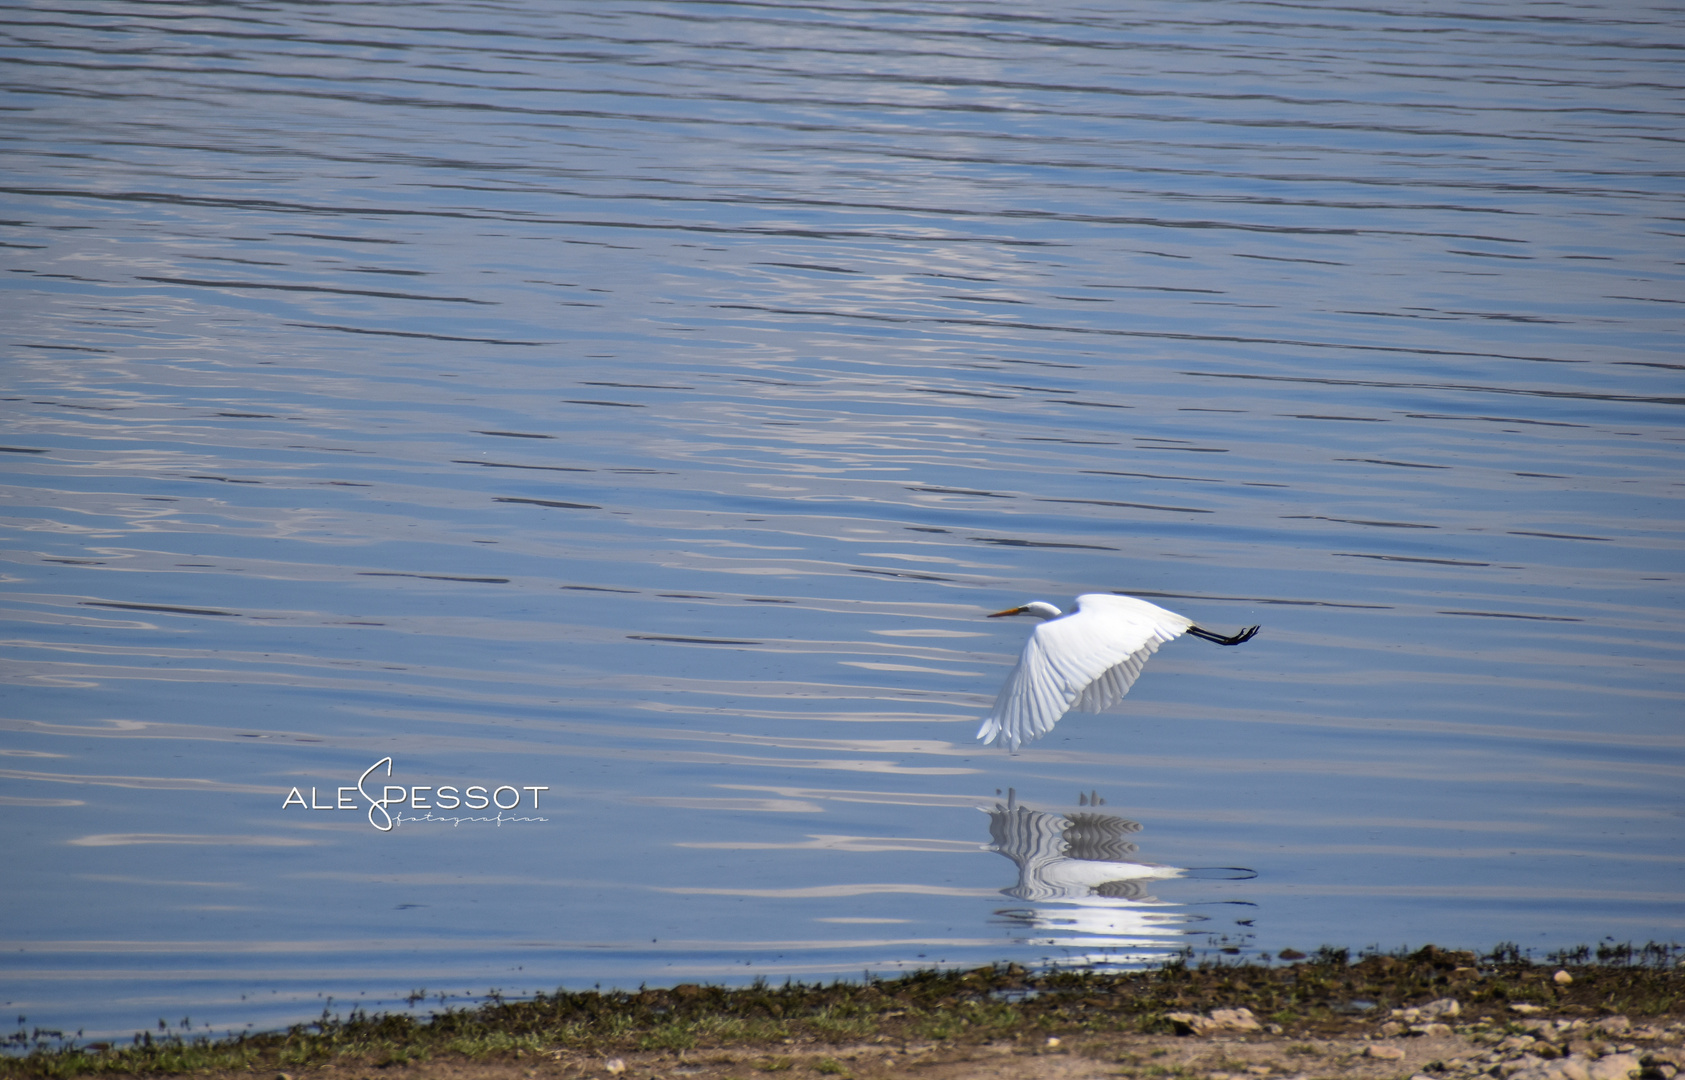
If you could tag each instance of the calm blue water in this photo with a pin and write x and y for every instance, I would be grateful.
(645, 403)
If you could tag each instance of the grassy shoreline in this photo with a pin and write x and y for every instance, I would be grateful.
(1297, 997)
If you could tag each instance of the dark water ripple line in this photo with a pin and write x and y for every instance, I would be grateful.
(1167, 335)
(168, 609)
(1131, 505)
(1511, 615)
(1262, 600)
(277, 206)
(434, 577)
(210, 283)
(1586, 395)
(1407, 559)
(227, 203)
(418, 334)
(1504, 187)
(1020, 213)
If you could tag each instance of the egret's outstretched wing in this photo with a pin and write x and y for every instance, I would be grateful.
(1086, 660)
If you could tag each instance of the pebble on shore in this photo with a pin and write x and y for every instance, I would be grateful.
(1544, 1049)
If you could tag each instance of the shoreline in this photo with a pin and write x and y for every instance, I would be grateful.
(1433, 1014)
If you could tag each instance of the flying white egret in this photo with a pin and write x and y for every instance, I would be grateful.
(1086, 660)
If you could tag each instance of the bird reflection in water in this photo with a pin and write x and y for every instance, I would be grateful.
(1086, 886)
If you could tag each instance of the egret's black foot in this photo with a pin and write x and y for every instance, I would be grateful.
(1219, 639)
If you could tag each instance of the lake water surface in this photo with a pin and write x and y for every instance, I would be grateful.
(645, 402)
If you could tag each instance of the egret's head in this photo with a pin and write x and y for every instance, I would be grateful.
(1039, 609)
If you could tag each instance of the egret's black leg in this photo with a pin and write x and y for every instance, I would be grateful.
(1206, 635)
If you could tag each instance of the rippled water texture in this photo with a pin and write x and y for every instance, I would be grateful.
(645, 402)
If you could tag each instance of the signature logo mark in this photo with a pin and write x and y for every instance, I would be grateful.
(386, 810)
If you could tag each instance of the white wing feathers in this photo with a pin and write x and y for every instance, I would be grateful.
(1086, 660)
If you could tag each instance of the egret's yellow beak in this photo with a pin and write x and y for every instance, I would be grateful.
(1009, 611)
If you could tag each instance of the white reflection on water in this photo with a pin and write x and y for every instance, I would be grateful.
(1088, 891)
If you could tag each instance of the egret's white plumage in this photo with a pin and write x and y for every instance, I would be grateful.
(1085, 661)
